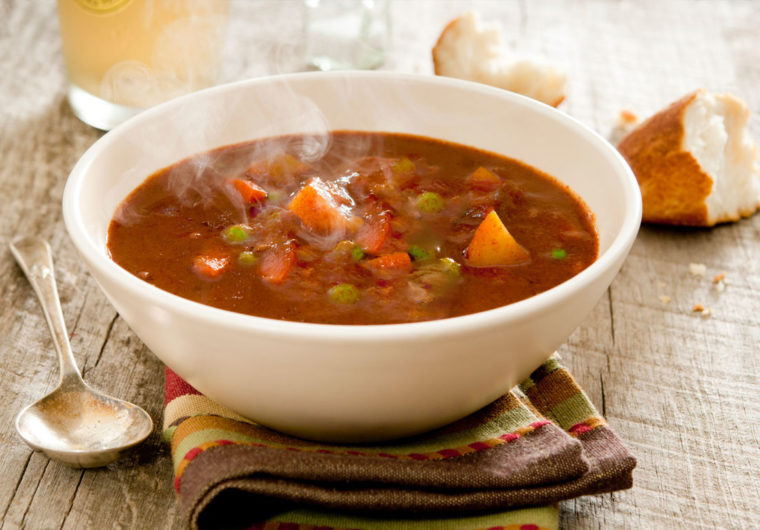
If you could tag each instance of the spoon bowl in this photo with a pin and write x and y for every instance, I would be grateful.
(75, 424)
(82, 427)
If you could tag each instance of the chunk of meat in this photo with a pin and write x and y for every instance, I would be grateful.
(277, 261)
(374, 232)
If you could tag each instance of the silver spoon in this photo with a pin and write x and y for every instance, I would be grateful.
(75, 423)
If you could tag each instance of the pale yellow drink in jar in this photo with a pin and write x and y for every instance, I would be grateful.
(138, 53)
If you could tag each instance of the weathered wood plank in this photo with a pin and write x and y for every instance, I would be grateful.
(136, 482)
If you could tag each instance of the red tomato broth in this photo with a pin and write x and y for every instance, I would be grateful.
(178, 216)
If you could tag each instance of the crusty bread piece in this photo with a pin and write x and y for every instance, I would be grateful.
(694, 161)
(472, 50)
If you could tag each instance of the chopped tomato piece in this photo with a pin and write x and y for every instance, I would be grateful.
(277, 261)
(493, 245)
(483, 180)
(372, 235)
(211, 265)
(249, 191)
(319, 210)
(390, 265)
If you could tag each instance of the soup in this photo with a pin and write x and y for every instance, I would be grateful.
(357, 228)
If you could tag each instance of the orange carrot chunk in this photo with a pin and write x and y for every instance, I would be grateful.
(317, 208)
(390, 265)
(372, 235)
(211, 266)
(249, 191)
(493, 246)
(483, 180)
(277, 261)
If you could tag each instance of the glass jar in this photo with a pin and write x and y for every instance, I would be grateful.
(346, 34)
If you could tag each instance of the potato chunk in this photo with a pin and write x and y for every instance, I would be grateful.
(493, 245)
(483, 180)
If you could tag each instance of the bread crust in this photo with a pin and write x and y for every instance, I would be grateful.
(557, 101)
(436, 49)
(673, 185)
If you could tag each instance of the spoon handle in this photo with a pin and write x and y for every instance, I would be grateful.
(34, 256)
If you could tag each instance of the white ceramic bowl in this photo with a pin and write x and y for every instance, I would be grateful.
(352, 383)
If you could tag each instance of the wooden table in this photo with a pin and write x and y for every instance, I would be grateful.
(682, 389)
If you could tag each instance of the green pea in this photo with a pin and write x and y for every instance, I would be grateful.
(275, 196)
(349, 248)
(357, 253)
(451, 267)
(235, 234)
(430, 202)
(403, 165)
(343, 293)
(559, 253)
(418, 253)
(247, 258)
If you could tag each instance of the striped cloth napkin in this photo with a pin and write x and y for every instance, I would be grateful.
(503, 467)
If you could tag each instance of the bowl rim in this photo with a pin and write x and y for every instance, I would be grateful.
(516, 311)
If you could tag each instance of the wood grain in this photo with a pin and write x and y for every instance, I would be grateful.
(682, 389)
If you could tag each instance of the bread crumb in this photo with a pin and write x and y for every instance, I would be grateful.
(702, 310)
(625, 123)
(664, 299)
(719, 282)
(697, 269)
(627, 116)
(660, 285)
